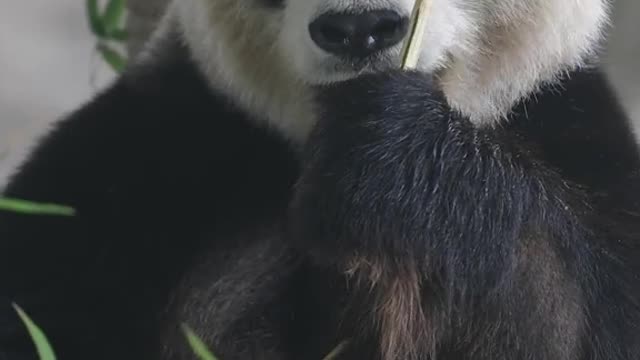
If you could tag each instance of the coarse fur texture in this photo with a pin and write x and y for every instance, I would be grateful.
(240, 188)
(503, 225)
(488, 54)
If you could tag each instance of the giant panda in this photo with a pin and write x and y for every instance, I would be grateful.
(265, 175)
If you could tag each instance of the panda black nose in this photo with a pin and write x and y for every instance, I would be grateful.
(358, 35)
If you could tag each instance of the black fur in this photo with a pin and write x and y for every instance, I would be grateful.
(526, 235)
(523, 238)
(158, 169)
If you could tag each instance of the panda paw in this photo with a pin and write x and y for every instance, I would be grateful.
(366, 169)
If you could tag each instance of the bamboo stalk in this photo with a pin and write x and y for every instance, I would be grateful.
(411, 51)
(337, 351)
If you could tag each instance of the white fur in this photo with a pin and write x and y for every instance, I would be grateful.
(487, 53)
(517, 46)
(236, 45)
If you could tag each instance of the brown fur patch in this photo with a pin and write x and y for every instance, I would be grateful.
(405, 331)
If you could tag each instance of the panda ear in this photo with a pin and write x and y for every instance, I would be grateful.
(519, 46)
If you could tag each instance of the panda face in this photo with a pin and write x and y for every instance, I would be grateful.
(479, 43)
(487, 54)
(333, 40)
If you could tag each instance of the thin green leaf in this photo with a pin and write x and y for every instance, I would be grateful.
(119, 34)
(95, 22)
(45, 352)
(113, 14)
(112, 57)
(32, 208)
(198, 347)
(337, 351)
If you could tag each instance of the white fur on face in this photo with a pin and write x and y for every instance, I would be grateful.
(449, 27)
(235, 43)
(517, 46)
(488, 54)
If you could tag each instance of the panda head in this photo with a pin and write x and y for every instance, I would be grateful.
(487, 54)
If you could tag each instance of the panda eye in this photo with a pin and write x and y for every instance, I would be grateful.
(275, 4)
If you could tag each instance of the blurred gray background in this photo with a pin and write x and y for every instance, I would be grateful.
(48, 65)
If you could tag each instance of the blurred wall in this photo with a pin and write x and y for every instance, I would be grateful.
(48, 66)
(623, 59)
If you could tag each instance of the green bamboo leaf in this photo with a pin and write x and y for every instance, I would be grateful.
(28, 207)
(198, 347)
(112, 57)
(119, 34)
(337, 351)
(113, 15)
(45, 352)
(95, 22)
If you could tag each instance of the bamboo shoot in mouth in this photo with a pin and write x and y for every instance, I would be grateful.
(411, 50)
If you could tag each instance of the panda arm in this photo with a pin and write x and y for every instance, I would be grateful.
(396, 187)
(156, 168)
